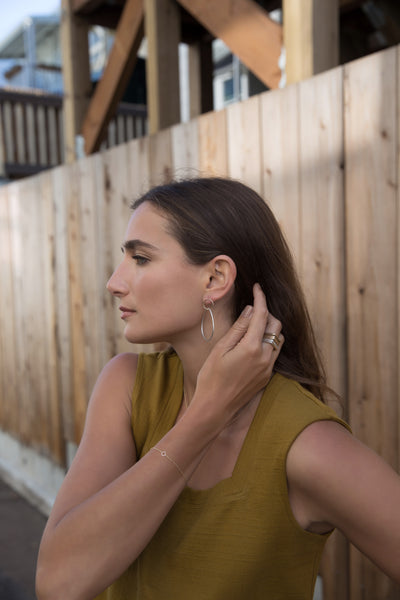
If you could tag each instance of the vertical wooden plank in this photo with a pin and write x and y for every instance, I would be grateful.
(185, 150)
(51, 397)
(93, 327)
(30, 307)
(322, 265)
(2, 144)
(61, 196)
(139, 167)
(61, 137)
(160, 156)
(244, 143)
(42, 136)
(213, 150)
(371, 240)
(79, 387)
(23, 327)
(280, 162)
(102, 235)
(322, 216)
(20, 138)
(30, 138)
(53, 137)
(8, 116)
(8, 365)
(116, 216)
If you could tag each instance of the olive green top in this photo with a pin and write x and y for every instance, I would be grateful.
(238, 540)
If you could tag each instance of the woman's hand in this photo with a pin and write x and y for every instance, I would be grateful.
(240, 364)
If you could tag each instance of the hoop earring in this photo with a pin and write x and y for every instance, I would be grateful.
(207, 304)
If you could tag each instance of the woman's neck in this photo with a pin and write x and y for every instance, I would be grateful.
(193, 353)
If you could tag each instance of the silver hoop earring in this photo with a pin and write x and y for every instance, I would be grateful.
(207, 304)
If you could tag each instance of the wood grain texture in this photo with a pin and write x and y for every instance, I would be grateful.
(213, 148)
(9, 382)
(244, 142)
(322, 257)
(185, 150)
(280, 161)
(371, 242)
(324, 155)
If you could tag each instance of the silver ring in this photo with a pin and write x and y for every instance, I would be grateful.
(273, 339)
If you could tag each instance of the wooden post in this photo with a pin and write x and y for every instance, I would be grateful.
(311, 37)
(194, 80)
(76, 74)
(162, 27)
(200, 78)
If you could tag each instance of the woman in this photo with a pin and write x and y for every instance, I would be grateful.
(208, 471)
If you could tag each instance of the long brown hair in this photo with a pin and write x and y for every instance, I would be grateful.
(211, 216)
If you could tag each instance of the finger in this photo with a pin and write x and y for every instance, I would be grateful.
(273, 342)
(238, 329)
(273, 325)
(260, 316)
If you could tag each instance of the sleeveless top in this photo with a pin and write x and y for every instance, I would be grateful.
(239, 539)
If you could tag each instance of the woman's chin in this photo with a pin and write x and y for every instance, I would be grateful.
(135, 338)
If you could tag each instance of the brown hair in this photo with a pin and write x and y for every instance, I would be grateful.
(211, 216)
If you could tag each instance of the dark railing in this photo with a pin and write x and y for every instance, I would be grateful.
(31, 131)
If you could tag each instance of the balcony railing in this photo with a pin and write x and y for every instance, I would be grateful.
(31, 131)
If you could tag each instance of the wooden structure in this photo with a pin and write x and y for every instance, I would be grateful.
(324, 153)
(31, 131)
(310, 36)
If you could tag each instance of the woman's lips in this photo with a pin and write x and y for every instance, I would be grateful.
(126, 312)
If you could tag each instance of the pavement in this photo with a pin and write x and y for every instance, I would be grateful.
(21, 527)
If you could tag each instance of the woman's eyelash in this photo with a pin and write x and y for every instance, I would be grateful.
(141, 260)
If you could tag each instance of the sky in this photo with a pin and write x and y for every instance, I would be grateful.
(12, 12)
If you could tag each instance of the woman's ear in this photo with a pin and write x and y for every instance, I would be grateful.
(221, 272)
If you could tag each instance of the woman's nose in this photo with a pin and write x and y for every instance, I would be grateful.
(116, 284)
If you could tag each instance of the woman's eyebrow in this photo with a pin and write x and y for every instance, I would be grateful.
(137, 244)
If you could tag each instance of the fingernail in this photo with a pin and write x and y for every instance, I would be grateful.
(247, 311)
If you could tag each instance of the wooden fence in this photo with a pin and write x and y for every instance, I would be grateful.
(325, 155)
(31, 131)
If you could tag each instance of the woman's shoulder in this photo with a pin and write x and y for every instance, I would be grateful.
(291, 407)
(121, 367)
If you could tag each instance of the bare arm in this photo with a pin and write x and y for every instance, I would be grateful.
(109, 506)
(335, 479)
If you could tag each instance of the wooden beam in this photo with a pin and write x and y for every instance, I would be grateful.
(111, 86)
(247, 30)
(76, 75)
(311, 37)
(85, 5)
(350, 4)
(162, 65)
(106, 16)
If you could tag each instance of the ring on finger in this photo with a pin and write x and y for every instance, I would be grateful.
(271, 338)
